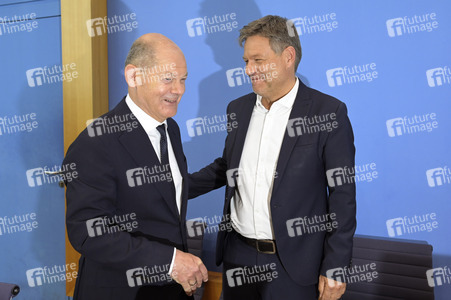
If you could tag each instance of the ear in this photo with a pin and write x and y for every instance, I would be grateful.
(130, 75)
(289, 55)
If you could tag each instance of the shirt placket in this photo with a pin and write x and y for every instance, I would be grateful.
(261, 190)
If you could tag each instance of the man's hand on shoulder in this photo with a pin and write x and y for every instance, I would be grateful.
(330, 289)
(189, 271)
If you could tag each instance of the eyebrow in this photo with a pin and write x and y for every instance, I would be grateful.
(253, 56)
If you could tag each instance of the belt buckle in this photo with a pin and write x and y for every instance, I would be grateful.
(266, 252)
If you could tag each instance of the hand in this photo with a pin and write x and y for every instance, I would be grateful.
(330, 289)
(189, 271)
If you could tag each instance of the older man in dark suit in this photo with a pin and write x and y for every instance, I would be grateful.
(126, 209)
(288, 165)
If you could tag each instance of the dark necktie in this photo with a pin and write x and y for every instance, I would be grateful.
(164, 156)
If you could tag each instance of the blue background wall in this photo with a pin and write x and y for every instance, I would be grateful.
(42, 246)
(361, 37)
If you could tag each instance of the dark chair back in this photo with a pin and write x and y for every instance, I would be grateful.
(8, 291)
(401, 267)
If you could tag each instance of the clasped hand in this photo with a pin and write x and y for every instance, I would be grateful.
(330, 289)
(189, 271)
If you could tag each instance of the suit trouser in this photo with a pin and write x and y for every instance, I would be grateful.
(172, 292)
(168, 292)
(251, 275)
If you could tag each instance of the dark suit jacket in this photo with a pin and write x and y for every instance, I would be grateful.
(102, 189)
(300, 188)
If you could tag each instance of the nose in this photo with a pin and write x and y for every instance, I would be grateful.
(177, 87)
(250, 69)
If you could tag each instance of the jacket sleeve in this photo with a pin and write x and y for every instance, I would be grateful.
(208, 178)
(93, 194)
(212, 176)
(339, 152)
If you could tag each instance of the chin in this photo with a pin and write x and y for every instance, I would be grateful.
(170, 114)
(258, 89)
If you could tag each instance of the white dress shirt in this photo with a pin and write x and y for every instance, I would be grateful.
(250, 206)
(150, 127)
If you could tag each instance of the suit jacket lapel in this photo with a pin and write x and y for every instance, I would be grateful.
(236, 145)
(244, 118)
(301, 107)
(178, 149)
(138, 145)
(179, 156)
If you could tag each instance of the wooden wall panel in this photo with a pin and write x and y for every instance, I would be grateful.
(86, 97)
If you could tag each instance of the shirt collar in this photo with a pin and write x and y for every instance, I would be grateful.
(147, 122)
(286, 101)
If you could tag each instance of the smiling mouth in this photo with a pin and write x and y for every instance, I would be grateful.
(256, 79)
(170, 101)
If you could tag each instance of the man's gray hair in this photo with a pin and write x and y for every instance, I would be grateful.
(141, 54)
(274, 28)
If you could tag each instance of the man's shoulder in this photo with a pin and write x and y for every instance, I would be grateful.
(243, 100)
(172, 122)
(322, 98)
(106, 126)
(173, 125)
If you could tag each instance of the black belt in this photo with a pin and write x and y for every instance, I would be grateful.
(263, 246)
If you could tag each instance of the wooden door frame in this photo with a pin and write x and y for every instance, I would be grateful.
(85, 97)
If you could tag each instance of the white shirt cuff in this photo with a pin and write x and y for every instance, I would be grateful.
(172, 262)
